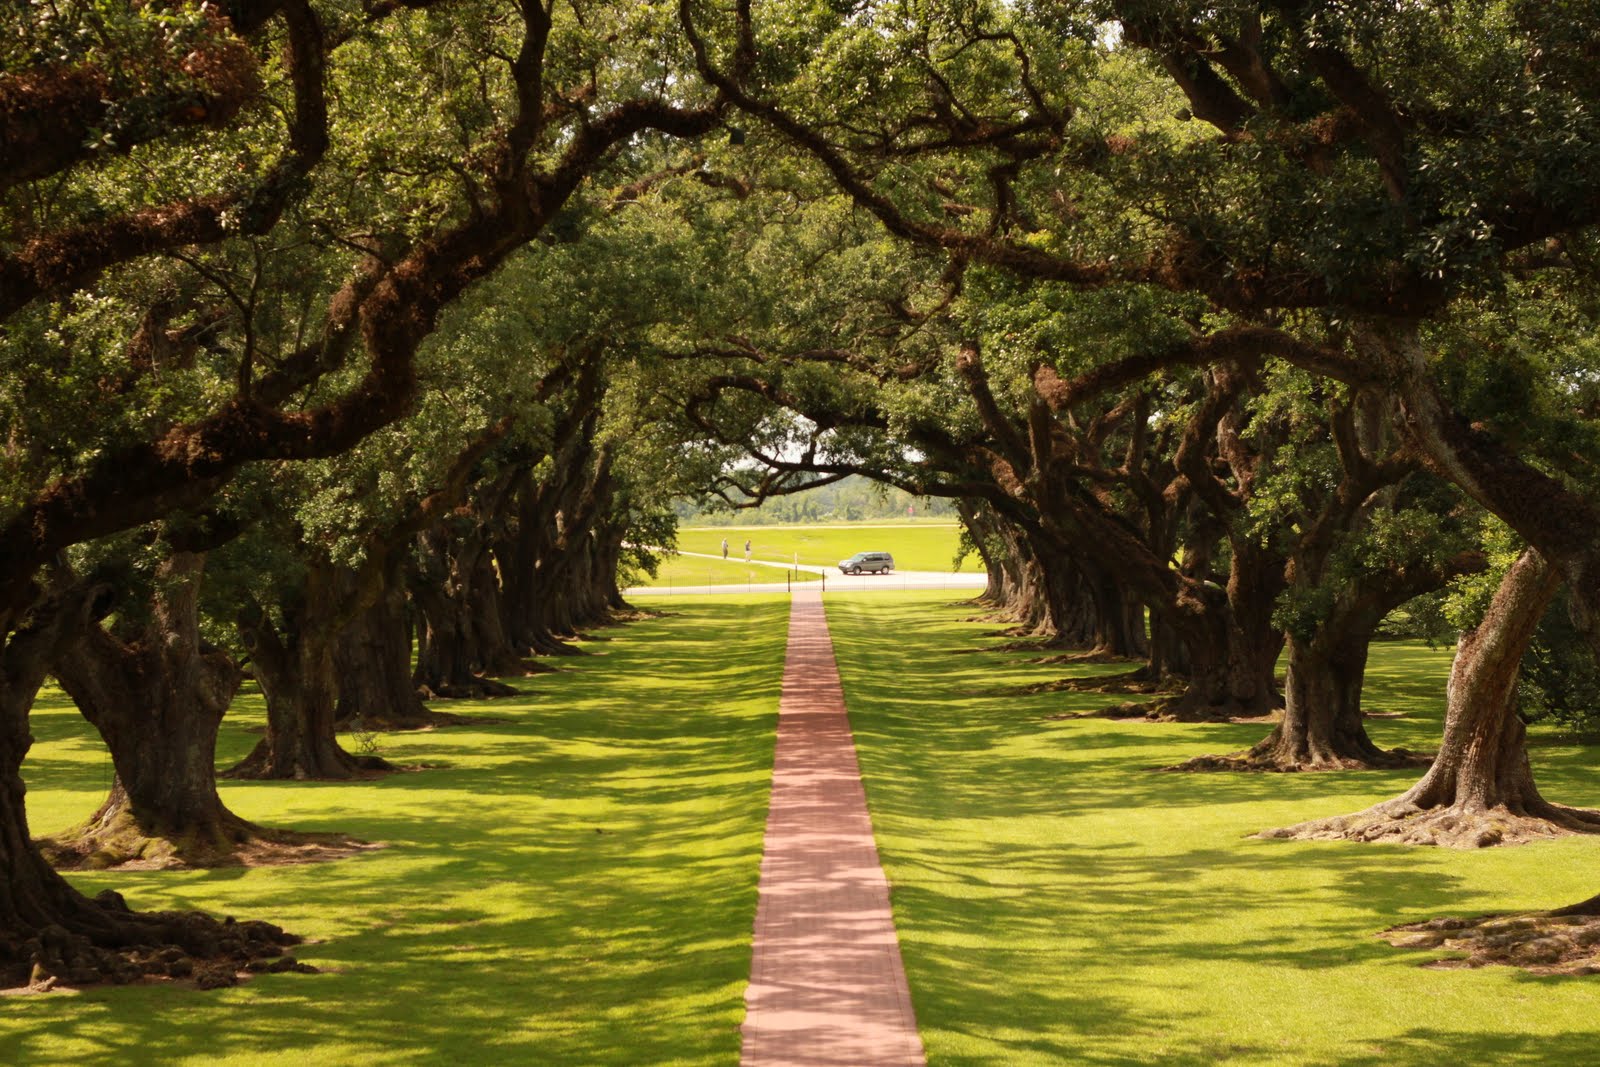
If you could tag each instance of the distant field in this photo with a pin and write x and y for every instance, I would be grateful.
(916, 546)
(694, 570)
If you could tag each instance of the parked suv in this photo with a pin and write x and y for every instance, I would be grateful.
(868, 563)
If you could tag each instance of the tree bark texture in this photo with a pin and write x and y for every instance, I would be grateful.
(49, 932)
(157, 701)
(1479, 790)
(295, 669)
(448, 589)
(373, 663)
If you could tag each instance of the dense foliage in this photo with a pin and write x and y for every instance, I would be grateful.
(364, 345)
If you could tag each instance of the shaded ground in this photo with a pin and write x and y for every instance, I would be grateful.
(1059, 903)
(574, 884)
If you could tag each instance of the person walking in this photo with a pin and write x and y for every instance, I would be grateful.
(724, 548)
(747, 550)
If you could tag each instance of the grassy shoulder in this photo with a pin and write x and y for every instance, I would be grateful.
(697, 570)
(1059, 903)
(916, 546)
(574, 884)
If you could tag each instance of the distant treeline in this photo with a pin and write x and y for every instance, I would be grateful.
(853, 499)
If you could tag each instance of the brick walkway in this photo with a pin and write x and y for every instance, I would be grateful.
(827, 986)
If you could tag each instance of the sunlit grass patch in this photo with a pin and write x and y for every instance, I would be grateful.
(574, 884)
(1059, 903)
(915, 546)
(697, 570)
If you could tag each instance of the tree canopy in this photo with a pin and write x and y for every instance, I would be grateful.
(1225, 329)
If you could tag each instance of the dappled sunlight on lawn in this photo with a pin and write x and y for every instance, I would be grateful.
(574, 884)
(1060, 902)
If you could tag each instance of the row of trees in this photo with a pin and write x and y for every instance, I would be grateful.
(316, 352)
(327, 320)
(1260, 318)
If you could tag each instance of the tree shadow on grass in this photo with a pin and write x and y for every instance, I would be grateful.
(577, 887)
(1057, 903)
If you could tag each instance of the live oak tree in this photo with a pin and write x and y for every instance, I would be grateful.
(408, 197)
(229, 229)
(335, 529)
(1308, 179)
(823, 383)
(156, 691)
(1362, 532)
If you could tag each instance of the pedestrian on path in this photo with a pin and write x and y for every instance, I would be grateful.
(747, 550)
(724, 548)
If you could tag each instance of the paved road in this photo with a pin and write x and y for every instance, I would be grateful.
(734, 558)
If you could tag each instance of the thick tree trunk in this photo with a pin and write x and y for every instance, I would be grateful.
(1045, 594)
(1322, 707)
(158, 702)
(610, 566)
(49, 932)
(1229, 671)
(373, 661)
(296, 673)
(1119, 630)
(1072, 605)
(1255, 581)
(449, 654)
(1479, 790)
(493, 650)
(1169, 656)
(984, 540)
(1322, 727)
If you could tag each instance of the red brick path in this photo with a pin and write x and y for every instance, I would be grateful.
(827, 986)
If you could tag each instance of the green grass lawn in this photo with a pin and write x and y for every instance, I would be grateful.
(694, 570)
(916, 546)
(575, 884)
(1058, 903)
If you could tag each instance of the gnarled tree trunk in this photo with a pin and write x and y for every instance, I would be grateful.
(50, 932)
(295, 670)
(1479, 790)
(450, 654)
(373, 661)
(157, 701)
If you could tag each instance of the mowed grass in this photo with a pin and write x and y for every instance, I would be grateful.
(696, 570)
(1059, 903)
(574, 885)
(916, 546)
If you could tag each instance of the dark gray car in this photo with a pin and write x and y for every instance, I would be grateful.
(868, 563)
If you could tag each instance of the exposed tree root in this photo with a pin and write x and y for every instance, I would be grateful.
(1566, 941)
(337, 766)
(383, 722)
(116, 945)
(995, 616)
(1248, 761)
(477, 689)
(1181, 707)
(1136, 681)
(1458, 826)
(1090, 655)
(550, 645)
(633, 613)
(1022, 644)
(117, 840)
